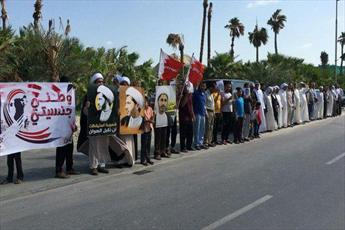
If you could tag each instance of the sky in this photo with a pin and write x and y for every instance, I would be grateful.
(143, 25)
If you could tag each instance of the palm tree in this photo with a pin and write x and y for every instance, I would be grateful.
(68, 28)
(205, 4)
(37, 14)
(3, 14)
(258, 37)
(341, 40)
(209, 16)
(324, 58)
(277, 23)
(222, 65)
(176, 41)
(236, 30)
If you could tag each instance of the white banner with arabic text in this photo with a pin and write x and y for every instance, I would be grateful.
(35, 116)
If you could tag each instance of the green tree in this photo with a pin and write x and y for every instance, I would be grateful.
(222, 65)
(277, 23)
(236, 29)
(324, 59)
(257, 38)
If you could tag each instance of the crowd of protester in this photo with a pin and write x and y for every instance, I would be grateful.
(205, 117)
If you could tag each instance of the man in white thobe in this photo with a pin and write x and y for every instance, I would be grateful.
(282, 93)
(260, 98)
(304, 103)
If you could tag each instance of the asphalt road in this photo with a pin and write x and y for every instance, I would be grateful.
(290, 179)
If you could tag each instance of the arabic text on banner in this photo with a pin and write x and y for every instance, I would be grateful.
(35, 116)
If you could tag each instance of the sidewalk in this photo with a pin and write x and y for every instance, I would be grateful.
(39, 171)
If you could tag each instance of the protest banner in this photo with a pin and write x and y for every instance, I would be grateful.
(102, 112)
(132, 102)
(35, 116)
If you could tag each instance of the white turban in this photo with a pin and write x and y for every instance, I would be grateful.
(104, 96)
(95, 77)
(162, 90)
(126, 79)
(283, 85)
(136, 95)
(118, 78)
(269, 90)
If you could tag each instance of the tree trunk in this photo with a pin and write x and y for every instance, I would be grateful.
(275, 43)
(3, 14)
(232, 47)
(181, 48)
(209, 35)
(203, 31)
(342, 59)
(257, 54)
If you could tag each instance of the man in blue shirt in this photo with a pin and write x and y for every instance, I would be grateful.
(239, 107)
(199, 107)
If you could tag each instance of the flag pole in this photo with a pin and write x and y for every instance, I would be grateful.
(184, 83)
(159, 65)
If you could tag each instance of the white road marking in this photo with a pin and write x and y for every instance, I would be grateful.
(335, 159)
(237, 213)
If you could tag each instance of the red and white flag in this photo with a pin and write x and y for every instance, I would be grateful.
(196, 72)
(169, 67)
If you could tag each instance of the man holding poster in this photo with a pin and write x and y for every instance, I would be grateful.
(162, 103)
(100, 112)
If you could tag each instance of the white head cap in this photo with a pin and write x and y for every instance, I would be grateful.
(95, 77)
(117, 78)
(283, 85)
(269, 90)
(126, 79)
(136, 95)
(162, 90)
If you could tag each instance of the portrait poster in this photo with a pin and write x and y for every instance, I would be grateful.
(165, 102)
(35, 116)
(132, 103)
(102, 111)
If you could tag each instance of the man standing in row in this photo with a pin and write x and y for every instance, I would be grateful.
(239, 108)
(209, 117)
(199, 107)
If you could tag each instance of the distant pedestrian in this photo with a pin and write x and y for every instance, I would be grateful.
(227, 113)
(290, 100)
(217, 115)
(186, 119)
(199, 107)
(247, 111)
(210, 116)
(161, 126)
(257, 118)
(146, 136)
(239, 115)
(65, 153)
